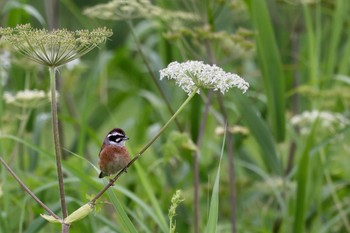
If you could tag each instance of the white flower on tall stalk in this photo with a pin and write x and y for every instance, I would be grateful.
(54, 49)
(328, 120)
(191, 75)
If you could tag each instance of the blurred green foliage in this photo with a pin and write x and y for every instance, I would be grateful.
(295, 55)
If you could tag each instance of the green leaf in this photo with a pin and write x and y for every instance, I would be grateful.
(141, 203)
(39, 223)
(261, 133)
(124, 220)
(339, 17)
(271, 66)
(50, 218)
(151, 195)
(79, 214)
(214, 202)
(302, 182)
(10, 5)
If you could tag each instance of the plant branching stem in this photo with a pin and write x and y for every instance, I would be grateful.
(65, 228)
(138, 155)
(154, 78)
(27, 189)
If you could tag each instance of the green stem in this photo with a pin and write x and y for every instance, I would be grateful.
(27, 189)
(111, 182)
(167, 124)
(153, 76)
(57, 142)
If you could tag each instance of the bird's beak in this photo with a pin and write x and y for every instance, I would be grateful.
(126, 138)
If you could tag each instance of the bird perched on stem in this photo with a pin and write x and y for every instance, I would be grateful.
(113, 155)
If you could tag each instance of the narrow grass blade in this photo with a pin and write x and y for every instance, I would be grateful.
(339, 17)
(15, 6)
(313, 50)
(39, 223)
(124, 221)
(146, 208)
(214, 202)
(271, 66)
(150, 193)
(39, 124)
(302, 183)
(26, 143)
(260, 132)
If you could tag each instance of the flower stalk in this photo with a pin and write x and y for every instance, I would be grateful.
(153, 76)
(56, 138)
(54, 49)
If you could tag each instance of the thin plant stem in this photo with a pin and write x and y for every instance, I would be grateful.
(60, 124)
(52, 12)
(230, 154)
(154, 78)
(138, 155)
(27, 189)
(65, 227)
(196, 191)
(196, 161)
(296, 83)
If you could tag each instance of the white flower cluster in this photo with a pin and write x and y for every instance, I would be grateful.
(328, 120)
(132, 9)
(191, 75)
(27, 98)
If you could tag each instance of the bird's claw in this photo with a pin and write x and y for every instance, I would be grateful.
(111, 182)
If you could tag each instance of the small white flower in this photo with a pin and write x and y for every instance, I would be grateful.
(29, 95)
(191, 75)
(9, 98)
(27, 98)
(328, 120)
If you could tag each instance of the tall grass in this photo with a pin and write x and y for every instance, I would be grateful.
(284, 181)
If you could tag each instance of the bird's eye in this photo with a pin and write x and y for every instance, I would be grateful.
(116, 138)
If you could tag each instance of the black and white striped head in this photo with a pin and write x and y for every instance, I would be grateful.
(116, 137)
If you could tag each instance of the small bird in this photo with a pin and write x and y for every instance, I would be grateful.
(113, 155)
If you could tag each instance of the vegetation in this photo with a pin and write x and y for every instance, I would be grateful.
(269, 158)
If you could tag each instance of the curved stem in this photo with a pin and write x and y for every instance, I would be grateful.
(111, 182)
(154, 79)
(28, 190)
(57, 141)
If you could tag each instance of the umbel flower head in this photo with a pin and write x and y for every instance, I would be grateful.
(192, 75)
(331, 121)
(54, 48)
(132, 9)
(27, 98)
